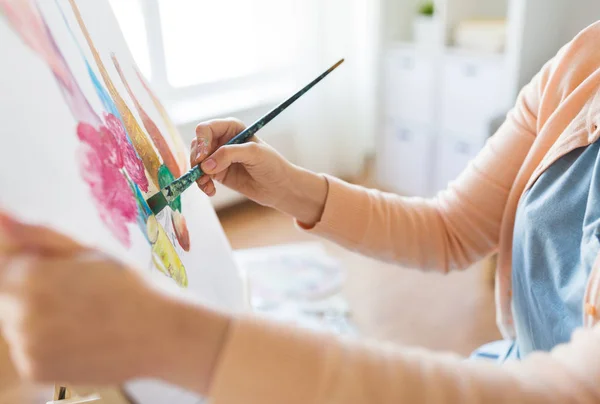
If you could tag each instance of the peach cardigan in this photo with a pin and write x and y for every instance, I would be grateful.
(271, 364)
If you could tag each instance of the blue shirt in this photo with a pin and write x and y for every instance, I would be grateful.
(556, 240)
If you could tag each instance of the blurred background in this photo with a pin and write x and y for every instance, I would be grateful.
(425, 83)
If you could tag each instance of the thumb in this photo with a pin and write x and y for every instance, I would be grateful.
(247, 154)
(18, 237)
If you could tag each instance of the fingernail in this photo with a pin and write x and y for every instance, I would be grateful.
(7, 222)
(209, 164)
(202, 148)
(8, 227)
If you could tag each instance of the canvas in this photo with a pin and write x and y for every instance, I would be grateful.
(85, 142)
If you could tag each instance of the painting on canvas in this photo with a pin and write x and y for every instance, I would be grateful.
(85, 141)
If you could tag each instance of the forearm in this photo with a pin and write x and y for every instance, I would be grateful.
(452, 231)
(267, 363)
(188, 344)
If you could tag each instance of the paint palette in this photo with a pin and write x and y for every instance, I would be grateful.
(298, 272)
(297, 284)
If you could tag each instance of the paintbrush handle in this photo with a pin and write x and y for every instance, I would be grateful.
(245, 135)
(176, 188)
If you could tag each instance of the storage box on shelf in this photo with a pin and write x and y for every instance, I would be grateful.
(448, 98)
(472, 92)
(408, 133)
(481, 35)
(437, 110)
(410, 84)
(454, 153)
(404, 167)
(473, 95)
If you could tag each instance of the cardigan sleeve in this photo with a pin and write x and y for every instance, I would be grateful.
(461, 224)
(265, 363)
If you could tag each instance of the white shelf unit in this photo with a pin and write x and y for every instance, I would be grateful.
(439, 103)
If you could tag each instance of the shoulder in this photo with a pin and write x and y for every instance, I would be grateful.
(568, 80)
(576, 64)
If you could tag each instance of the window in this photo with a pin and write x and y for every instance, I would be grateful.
(209, 41)
(191, 49)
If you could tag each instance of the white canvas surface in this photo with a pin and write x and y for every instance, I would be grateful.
(42, 160)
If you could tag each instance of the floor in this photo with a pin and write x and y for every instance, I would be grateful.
(452, 312)
(447, 313)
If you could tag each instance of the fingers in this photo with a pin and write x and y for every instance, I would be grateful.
(207, 185)
(193, 152)
(212, 134)
(201, 148)
(16, 236)
(223, 158)
(7, 245)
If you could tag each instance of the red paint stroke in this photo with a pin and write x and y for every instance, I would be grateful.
(28, 23)
(180, 149)
(181, 230)
(132, 164)
(101, 162)
(157, 137)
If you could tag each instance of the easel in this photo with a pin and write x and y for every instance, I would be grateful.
(64, 395)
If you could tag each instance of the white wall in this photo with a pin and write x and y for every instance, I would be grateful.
(541, 27)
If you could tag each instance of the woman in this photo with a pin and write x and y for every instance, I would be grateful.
(531, 194)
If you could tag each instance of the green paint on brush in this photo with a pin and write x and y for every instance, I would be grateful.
(165, 178)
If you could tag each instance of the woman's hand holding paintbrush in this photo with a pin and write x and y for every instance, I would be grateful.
(257, 171)
(171, 192)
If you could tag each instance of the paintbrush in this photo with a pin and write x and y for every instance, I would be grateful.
(168, 194)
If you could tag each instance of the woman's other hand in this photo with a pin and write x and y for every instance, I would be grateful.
(73, 315)
(257, 171)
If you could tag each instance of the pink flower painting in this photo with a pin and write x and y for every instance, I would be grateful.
(101, 164)
(117, 159)
(133, 165)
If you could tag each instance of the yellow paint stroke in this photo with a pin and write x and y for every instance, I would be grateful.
(171, 128)
(157, 137)
(140, 141)
(164, 256)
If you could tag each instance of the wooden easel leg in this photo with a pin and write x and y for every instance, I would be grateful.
(61, 393)
(64, 395)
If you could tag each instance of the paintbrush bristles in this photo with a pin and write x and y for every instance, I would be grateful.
(157, 203)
